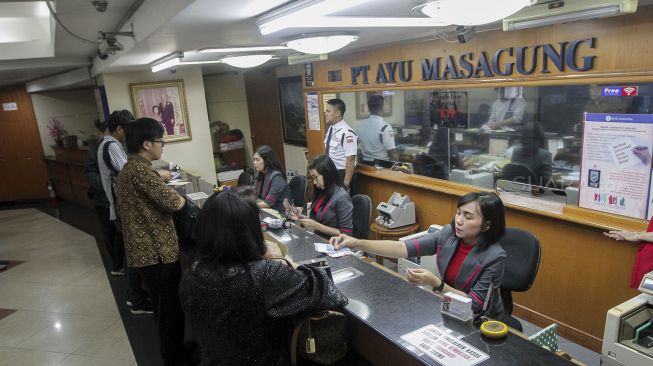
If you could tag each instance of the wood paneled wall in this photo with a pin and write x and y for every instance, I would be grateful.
(23, 171)
(623, 49)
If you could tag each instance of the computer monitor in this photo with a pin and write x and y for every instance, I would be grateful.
(497, 146)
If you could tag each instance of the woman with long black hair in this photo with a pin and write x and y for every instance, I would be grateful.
(270, 180)
(331, 212)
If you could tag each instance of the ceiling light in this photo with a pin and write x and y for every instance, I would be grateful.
(471, 12)
(321, 44)
(246, 61)
(306, 10)
(242, 49)
(541, 15)
(167, 62)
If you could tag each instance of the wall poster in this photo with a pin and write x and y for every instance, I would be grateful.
(616, 163)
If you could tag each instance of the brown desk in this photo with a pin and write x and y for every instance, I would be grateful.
(383, 233)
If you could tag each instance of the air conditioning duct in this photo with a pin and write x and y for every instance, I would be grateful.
(555, 12)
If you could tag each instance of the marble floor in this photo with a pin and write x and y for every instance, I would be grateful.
(56, 303)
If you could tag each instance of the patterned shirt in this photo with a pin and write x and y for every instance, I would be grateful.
(145, 205)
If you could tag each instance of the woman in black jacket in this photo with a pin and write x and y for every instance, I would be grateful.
(239, 303)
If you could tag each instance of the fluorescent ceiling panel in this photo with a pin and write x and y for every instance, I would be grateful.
(26, 30)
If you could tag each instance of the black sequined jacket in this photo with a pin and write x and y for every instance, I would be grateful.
(242, 314)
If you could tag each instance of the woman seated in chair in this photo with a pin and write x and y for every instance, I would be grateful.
(270, 181)
(239, 300)
(331, 212)
(468, 252)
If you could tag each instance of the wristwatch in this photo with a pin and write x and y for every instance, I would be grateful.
(439, 289)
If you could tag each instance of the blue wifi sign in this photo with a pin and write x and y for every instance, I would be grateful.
(611, 91)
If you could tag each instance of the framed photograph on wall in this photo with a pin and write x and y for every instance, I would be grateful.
(361, 104)
(293, 118)
(165, 102)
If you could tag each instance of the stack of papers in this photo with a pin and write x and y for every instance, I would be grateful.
(329, 250)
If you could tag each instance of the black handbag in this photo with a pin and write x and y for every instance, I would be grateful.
(185, 220)
(321, 338)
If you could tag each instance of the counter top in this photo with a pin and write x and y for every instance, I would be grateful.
(574, 214)
(392, 307)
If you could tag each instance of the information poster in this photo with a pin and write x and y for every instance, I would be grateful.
(616, 163)
(444, 348)
(312, 107)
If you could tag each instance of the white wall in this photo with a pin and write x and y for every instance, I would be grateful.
(195, 155)
(74, 108)
(227, 102)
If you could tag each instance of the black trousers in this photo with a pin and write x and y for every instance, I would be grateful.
(352, 183)
(162, 282)
(112, 237)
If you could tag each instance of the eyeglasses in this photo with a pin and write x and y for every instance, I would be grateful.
(162, 142)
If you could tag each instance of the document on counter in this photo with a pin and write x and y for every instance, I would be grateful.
(444, 348)
(331, 251)
(197, 196)
(176, 183)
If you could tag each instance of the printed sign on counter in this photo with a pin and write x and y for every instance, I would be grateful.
(616, 163)
(443, 347)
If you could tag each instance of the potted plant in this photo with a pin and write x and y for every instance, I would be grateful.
(57, 131)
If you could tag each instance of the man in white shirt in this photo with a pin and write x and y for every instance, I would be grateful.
(341, 142)
(508, 110)
(376, 136)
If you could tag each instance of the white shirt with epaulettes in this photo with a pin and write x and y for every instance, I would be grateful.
(343, 143)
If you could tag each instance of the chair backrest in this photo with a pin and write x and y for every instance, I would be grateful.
(519, 173)
(362, 215)
(298, 190)
(246, 178)
(523, 260)
(430, 167)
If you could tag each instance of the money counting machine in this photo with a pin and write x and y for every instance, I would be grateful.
(397, 212)
(628, 337)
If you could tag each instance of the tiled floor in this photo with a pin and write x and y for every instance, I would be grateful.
(66, 313)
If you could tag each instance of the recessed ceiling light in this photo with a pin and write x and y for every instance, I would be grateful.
(471, 12)
(167, 62)
(246, 61)
(242, 49)
(321, 44)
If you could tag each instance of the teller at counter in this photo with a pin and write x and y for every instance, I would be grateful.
(468, 252)
(332, 209)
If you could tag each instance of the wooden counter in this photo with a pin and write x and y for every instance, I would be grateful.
(66, 172)
(582, 273)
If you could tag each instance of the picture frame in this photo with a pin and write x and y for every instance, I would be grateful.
(363, 112)
(164, 101)
(293, 115)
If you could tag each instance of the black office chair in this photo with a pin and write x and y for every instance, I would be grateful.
(523, 261)
(298, 190)
(362, 215)
(430, 167)
(246, 178)
(520, 174)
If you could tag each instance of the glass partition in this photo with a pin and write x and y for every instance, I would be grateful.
(476, 136)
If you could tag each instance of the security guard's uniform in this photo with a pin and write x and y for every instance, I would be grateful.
(376, 137)
(341, 141)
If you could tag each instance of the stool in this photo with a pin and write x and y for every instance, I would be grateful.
(383, 233)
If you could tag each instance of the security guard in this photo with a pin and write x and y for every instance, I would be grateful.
(376, 136)
(341, 143)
